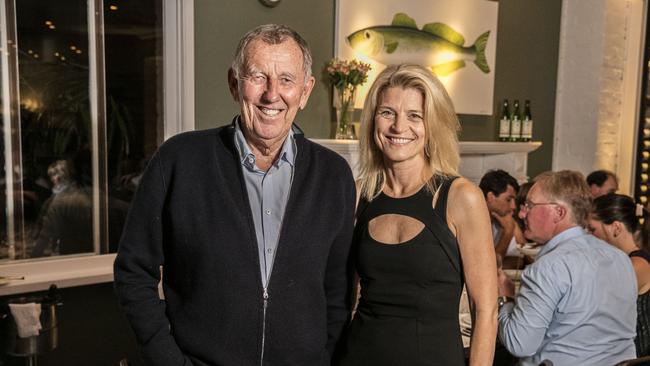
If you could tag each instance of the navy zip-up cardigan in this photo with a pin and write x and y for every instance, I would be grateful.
(191, 215)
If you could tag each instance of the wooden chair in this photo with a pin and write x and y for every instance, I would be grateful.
(641, 361)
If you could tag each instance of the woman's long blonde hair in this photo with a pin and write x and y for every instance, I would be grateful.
(440, 123)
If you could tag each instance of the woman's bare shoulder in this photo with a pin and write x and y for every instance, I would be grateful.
(465, 192)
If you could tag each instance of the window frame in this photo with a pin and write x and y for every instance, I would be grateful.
(178, 99)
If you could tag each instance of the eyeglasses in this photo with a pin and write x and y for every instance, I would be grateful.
(529, 205)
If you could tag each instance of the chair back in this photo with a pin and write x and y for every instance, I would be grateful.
(641, 361)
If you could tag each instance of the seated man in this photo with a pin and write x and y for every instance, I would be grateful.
(602, 182)
(500, 189)
(577, 302)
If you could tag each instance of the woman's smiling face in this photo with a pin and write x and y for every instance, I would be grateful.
(399, 124)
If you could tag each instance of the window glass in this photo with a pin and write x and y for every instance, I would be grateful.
(51, 199)
(134, 74)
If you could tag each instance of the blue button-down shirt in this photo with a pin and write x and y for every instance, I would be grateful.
(268, 193)
(576, 305)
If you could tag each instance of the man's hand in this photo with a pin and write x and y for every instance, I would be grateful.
(505, 285)
(508, 226)
(506, 222)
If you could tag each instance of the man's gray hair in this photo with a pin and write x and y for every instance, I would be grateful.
(569, 187)
(271, 34)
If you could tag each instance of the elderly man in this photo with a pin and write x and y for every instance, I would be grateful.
(251, 224)
(577, 303)
(602, 182)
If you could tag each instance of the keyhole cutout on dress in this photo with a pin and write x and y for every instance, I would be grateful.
(391, 229)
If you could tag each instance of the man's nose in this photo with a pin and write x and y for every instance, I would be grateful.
(522, 213)
(271, 91)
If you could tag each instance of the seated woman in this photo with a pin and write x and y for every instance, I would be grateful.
(421, 232)
(614, 219)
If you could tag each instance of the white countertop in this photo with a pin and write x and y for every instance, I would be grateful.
(63, 272)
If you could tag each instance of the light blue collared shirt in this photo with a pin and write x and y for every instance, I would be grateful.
(268, 193)
(576, 305)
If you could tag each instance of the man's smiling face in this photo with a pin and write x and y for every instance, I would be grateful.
(271, 90)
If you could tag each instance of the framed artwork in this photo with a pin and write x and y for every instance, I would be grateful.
(456, 39)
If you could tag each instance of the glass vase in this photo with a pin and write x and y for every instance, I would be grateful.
(344, 104)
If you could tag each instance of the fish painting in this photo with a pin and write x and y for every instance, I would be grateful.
(436, 45)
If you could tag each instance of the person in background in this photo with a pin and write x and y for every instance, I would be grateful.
(577, 301)
(252, 226)
(602, 182)
(500, 189)
(65, 225)
(614, 219)
(520, 200)
(421, 230)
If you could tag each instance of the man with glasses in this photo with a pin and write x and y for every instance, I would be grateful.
(577, 303)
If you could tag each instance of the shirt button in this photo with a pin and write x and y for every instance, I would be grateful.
(269, 251)
(268, 212)
(251, 160)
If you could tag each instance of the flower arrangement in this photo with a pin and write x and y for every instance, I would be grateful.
(345, 76)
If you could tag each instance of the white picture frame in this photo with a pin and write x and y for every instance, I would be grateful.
(470, 88)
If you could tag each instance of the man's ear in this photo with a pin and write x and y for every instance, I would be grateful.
(233, 84)
(309, 86)
(561, 212)
(490, 197)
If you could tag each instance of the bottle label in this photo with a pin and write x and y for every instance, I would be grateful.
(515, 131)
(527, 129)
(504, 128)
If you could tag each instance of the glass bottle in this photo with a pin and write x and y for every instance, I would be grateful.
(515, 123)
(527, 123)
(504, 122)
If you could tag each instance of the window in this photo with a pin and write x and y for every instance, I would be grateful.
(82, 112)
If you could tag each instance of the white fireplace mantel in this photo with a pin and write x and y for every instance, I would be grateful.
(477, 157)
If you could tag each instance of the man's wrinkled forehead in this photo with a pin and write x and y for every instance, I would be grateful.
(287, 43)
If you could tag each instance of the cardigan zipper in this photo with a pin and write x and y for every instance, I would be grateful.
(265, 292)
(265, 297)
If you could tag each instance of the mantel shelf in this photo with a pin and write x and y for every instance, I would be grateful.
(477, 157)
(466, 147)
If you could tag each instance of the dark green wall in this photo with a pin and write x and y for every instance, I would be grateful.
(526, 68)
(526, 62)
(218, 26)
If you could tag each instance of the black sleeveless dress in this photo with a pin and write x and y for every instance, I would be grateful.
(410, 292)
(642, 340)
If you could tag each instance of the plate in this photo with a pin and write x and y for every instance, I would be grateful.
(513, 274)
(529, 249)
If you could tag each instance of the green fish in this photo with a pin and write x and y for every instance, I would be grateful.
(436, 45)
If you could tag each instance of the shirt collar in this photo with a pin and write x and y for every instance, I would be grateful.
(561, 237)
(247, 158)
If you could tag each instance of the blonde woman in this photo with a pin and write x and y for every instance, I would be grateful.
(421, 232)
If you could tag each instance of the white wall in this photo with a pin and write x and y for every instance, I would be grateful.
(598, 83)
